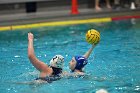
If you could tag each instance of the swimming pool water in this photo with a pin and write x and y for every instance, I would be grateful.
(114, 64)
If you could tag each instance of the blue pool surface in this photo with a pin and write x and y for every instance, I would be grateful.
(114, 65)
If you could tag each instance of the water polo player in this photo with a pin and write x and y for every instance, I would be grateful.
(47, 73)
(78, 62)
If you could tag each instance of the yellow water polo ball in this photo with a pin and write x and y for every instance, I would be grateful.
(92, 36)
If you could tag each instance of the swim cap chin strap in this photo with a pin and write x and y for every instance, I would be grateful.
(80, 62)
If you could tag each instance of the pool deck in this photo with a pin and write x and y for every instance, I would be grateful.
(62, 15)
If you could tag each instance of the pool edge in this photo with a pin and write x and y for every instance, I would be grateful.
(63, 23)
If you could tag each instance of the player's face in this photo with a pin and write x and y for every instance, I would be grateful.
(72, 64)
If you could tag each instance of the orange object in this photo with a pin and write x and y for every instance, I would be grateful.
(74, 8)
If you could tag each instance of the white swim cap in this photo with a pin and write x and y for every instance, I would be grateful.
(57, 61)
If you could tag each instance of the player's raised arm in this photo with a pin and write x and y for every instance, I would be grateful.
(87, 54)
(41, 66)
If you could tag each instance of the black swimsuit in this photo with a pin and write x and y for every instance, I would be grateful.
(55, 75)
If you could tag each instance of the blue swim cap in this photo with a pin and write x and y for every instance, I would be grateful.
(80, 62)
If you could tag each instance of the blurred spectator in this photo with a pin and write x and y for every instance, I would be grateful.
(128, 4)
(117, 4)
(97, 6)
(138, 3)
(125, 3)
(133, 6)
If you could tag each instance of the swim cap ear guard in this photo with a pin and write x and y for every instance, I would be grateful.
(57, 61)
(80, 62)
